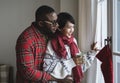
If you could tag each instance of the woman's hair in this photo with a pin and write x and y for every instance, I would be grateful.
(63, 18)
(42, 11)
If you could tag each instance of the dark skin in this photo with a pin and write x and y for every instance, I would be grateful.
(67, 79)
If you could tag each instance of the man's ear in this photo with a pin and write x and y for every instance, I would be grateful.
(59, 29)
(40, 23)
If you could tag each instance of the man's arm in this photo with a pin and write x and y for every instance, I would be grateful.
(67, 79)
(26, 62)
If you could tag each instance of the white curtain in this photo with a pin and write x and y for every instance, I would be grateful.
(87, 23)
(87, 34)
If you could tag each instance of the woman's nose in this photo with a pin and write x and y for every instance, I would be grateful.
(72, 30)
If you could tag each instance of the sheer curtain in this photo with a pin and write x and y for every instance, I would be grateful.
(89, 31)
(87, 23)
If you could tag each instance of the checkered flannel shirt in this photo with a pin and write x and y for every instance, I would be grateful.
(30, 49)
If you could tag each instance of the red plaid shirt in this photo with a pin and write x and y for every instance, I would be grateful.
(30, 49)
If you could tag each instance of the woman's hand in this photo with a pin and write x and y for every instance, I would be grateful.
(79, 60)
(93, 47)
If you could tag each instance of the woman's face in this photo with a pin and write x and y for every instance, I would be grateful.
(68, 29)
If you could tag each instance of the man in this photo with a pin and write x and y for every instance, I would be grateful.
(31, 47)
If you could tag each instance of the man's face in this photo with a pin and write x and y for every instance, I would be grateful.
(51, 23)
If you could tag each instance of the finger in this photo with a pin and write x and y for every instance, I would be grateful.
(69, 76)
(95, 43)
(69, 81)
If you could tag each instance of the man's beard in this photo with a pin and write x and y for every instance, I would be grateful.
(45, 30)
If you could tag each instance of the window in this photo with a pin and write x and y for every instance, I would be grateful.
(116, 40)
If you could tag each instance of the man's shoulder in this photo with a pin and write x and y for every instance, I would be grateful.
(28, 30)
(26, 33)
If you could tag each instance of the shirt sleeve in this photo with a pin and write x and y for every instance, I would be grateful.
(89, 59)
(26, 63)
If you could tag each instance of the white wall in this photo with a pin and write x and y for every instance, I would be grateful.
(15, 16)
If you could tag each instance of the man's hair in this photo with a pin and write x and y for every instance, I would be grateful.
(42, 11)
(63, 18)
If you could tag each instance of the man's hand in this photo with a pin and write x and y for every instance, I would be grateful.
(67, 79)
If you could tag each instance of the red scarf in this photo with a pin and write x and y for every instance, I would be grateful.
(58, 45)
(77, 74)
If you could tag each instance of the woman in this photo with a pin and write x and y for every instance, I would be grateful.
(63, 57)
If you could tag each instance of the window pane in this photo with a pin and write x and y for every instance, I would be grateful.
(118, 25)
(116, 69)
(116, 40)
(118, 65)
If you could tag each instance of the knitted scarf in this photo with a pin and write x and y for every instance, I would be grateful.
(58, 45)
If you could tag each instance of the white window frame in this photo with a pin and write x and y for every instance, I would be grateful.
(116, 54)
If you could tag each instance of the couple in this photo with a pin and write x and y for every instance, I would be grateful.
(47, 46)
